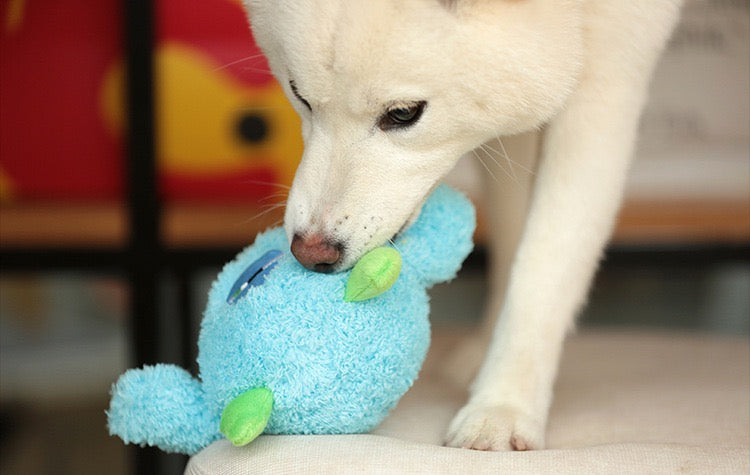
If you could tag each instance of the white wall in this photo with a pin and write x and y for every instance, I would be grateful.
(694, 141)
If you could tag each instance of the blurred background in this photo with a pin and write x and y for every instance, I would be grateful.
(105, 266)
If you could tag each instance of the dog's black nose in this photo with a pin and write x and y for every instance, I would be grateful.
(315, 252)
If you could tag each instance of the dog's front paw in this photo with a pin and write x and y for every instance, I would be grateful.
(498, 428)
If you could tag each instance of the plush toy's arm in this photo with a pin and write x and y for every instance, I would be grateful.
(162, 406)
(440, 239)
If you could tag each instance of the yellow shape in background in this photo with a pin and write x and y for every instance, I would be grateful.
(198, 106)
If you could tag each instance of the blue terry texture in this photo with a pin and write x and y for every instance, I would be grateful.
(333, 366)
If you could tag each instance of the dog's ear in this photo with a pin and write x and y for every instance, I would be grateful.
(434, 247)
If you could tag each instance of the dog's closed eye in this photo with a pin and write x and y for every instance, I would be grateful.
(401, 116)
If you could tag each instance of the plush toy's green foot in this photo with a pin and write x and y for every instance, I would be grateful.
(246, 416)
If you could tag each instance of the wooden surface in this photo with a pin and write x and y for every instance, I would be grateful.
(644, 222)
(185, 225)
(63, 224)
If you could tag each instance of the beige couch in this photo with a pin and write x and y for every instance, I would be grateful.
(626, 402)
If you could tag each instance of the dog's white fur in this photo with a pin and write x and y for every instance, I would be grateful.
(579, 69)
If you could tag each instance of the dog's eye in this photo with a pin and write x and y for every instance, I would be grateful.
(402, 116)
(296, 93)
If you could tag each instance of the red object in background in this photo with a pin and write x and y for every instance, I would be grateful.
(218, 28)
(225, 131)
(53, 141)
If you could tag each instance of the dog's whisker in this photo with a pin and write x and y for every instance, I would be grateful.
(503, 154)
(256, 70)
(246, 58)
(274, 197)
(507, 157)
(266, 211)
(277, 223)
(404, 258)
(513, 178)
(280, 193)
(267, 183)
(514, 162)
(485, 166)
(393, 243)
(498, 164)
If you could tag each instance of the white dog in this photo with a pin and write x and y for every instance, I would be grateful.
(393, 92)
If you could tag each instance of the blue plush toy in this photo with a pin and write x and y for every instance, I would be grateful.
(282, 351)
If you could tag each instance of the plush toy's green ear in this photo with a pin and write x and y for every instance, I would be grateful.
(374, 274)
(440, 239)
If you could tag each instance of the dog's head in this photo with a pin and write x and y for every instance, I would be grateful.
(392, 92)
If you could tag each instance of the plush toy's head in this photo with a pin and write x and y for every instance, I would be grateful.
(281, 350)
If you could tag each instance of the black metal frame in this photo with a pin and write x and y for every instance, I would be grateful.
(144, 246)
(143, 257)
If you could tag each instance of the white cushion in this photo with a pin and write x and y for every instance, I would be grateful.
(626, 402)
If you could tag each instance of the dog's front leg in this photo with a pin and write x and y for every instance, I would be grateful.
(577, 193)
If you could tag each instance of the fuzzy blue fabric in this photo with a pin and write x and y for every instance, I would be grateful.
(332, 366)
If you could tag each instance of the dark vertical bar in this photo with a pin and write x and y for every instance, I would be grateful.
(144, 249)
(144, 209)
(186, 315)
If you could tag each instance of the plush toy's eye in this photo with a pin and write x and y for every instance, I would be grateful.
(254, 275)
